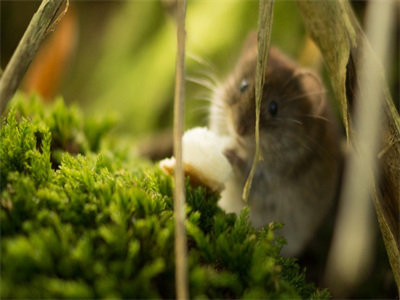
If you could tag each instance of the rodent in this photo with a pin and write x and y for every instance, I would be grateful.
(297, 180)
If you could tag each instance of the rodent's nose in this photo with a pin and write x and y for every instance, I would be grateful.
(244, 120)
(244, 127)
(241, 129)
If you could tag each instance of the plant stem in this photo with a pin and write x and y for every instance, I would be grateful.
(26, 50)
(181, 269)
(265, 18)
(348, 260)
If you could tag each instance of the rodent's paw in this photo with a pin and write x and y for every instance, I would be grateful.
(234, 159)
(203, 160)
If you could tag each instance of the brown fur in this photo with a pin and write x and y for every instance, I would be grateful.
(297, 180)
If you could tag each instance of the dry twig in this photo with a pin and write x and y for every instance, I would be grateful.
(26, 50)
(181, 269)
(265, 17)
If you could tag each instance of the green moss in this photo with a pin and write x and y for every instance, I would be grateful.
(100, 225)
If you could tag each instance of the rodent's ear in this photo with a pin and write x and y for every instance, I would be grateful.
(250, 42)
(315, 89)
(249, 49)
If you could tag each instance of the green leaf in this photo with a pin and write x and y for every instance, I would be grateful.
(328, 24)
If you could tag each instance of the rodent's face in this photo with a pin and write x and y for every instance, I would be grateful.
(290, 104)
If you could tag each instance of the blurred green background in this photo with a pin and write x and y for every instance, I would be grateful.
(122, 53)
(121, 61)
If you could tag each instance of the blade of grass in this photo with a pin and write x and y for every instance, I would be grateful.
(37, 29)
(328, 25)
(348, 259)
(265, 18)
(387, 196)
(181, 268)
(336, 31)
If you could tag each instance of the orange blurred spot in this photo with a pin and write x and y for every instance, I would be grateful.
(47, 70)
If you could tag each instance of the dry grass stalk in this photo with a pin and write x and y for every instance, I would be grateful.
(38, 27)
(336, 31)
(265, 18)
(181, 268)
(354, 232)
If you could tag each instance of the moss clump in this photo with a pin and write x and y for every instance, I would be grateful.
(85, 225)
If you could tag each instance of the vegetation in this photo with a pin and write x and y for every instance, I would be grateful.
(82, 219)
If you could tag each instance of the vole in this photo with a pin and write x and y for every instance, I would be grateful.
(297, 180)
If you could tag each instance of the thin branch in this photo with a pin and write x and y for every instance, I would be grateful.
(58, 20)
(181, 268)
(265, 17)
(26, 50)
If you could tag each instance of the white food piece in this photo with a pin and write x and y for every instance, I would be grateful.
(202, 150)
(203, 158)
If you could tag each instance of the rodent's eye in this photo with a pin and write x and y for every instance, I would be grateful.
(243, 86)
(273, 108)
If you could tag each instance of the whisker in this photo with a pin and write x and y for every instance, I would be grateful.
(314, 145)
(219, 101)
(218, 110)
(317, 117)
(201, 81)
(200, 60)
(299, 73)
(202, 100)
(202, 109)
(301, 96)
(306, 146)
(318, 147)
(209, 75)
(207, 98)
(206, 119)
(294, 76)
(289, 120)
